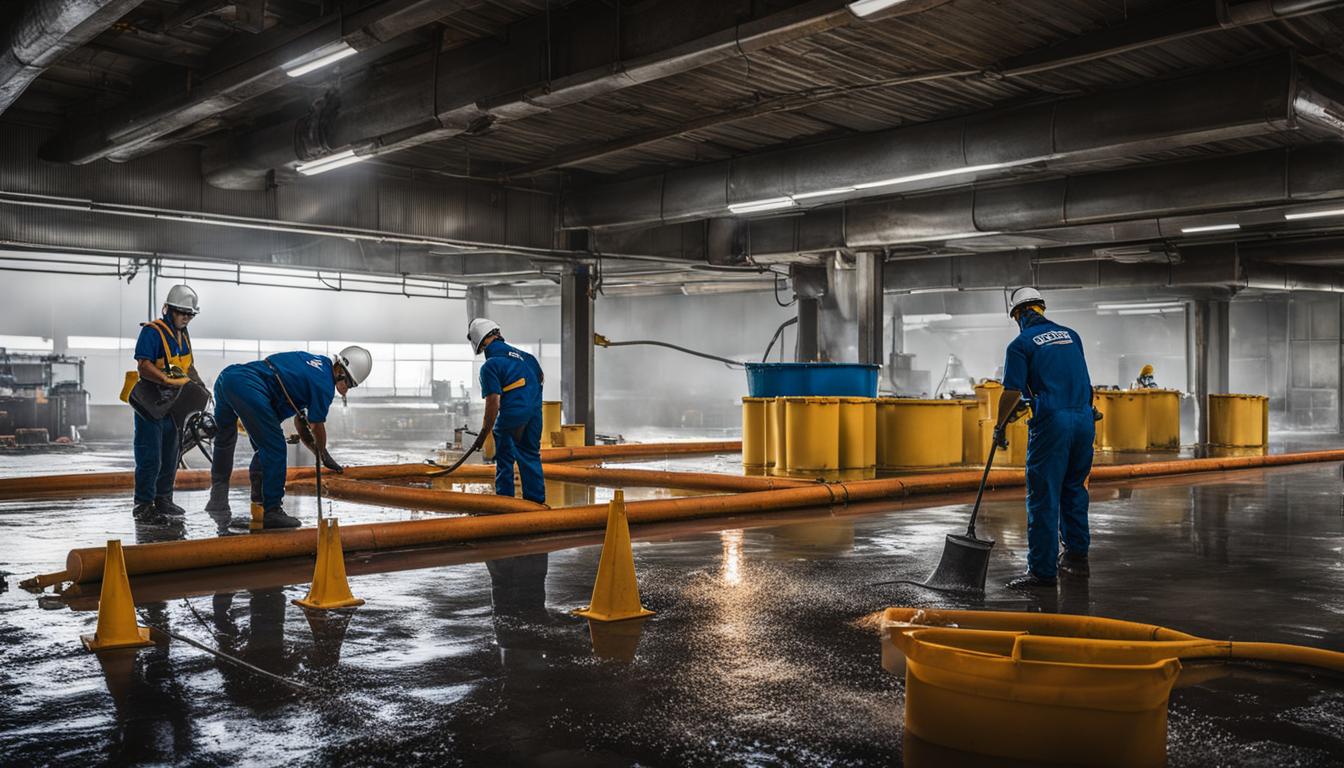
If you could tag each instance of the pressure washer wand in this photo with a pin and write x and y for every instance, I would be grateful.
(984, 478)
(318, 463)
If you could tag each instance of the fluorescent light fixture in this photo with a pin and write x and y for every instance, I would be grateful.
(768, 204)
(328, 163)
(909, 320)
(1152, 311)
(1210, 228)
(866, 8)
(1143, 305)
(930, 175)
(1314, 214)
(822, 193)
(324, 56)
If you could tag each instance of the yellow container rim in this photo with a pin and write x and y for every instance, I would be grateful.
(812, 400)
(757, 399)
(1240, 397)
(919, 401)
(859, 400)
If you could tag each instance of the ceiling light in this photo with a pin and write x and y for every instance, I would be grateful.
(330, 162)
(930, 175)
(768, 204)
(327, 54)
(1210, 228)
(1143, 305)
(1314, 214)
(822, 193)
(865, 8)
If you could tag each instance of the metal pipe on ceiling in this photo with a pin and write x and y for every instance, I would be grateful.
(44, 31)
(1263, 97)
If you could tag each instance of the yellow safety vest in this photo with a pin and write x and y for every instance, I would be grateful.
(182, 361)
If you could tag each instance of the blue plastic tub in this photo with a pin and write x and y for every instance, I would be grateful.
(811, 379)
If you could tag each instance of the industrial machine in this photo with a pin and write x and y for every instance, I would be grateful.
(42, 399)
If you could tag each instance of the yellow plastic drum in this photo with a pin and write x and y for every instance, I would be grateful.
(919, 433)
(971, 449)
(1238, 421)
(550, 423)
(754, 431)
(774, 435)
(1164, 419)
(987, 396)
(858, 432)
(811, 433)
(1125, 418)
(573, 435)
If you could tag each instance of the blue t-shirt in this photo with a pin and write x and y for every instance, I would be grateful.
(149, 345)
(1046, 363)
(516, 377)
(307, 378)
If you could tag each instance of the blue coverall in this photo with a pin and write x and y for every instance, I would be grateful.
(1045, 362)
(516, 377)
(250, 393)
(155, 442)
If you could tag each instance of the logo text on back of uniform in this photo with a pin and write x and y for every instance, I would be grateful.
(1052, 337)
(515, 356)
(316, 364)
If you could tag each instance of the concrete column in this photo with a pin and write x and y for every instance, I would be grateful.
(477, 303)
(807, 330)
(868, 287)
(576, 348)
(1206, 357)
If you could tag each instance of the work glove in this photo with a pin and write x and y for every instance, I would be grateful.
(1000, 436)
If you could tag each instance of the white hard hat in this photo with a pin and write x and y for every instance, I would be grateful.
(357, 363)
(183, 298)
(1020, 297)
(478, 329)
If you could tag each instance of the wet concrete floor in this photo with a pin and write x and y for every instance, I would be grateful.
(759, 653)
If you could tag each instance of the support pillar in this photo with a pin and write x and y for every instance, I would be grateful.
(868, 287)
(576, 348)
(477, 304)
(809, 285)
(1207, 358)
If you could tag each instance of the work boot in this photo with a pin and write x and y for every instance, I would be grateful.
(1030, 581)
(144, 511)
(275, 518)
(165, 506)
(1074, 565)
(219, 499)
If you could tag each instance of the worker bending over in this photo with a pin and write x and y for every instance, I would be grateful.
(511, 381)
(262, 394)
(1046, 364)
(1146, 380)
(163, 357)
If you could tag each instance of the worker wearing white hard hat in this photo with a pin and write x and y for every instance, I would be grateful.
(1045, 365)
(163, 357)
(262, 394)
(511, 383)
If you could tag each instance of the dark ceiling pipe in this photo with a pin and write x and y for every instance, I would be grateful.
(46, 30)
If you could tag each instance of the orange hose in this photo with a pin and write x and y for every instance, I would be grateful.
(424, 498)
(634, 450)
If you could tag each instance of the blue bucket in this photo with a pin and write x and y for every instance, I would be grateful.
(811, 380)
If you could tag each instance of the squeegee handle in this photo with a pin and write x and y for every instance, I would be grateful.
(984, 478)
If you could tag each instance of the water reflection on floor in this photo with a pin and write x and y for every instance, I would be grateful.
(758, 653)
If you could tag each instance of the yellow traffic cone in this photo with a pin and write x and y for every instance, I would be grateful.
(616, 592)
(116, 608)
(330, 588)
(258, 512)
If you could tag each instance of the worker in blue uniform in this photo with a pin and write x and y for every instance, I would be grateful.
(1045, 363)
(163, 356)
(262, 394)
(511, 382)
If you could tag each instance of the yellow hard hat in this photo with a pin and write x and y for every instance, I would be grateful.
(1147, 370)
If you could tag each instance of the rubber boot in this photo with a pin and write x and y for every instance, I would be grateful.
(166, 507)
(275, 518)
(144, 511)
(1030, 581)
(1074, 565)
(219, 499)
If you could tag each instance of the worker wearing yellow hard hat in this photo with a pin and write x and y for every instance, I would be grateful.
(1146, 380)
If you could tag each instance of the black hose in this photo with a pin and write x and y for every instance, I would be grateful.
(706, 355)
(949, 590)
(773, 339)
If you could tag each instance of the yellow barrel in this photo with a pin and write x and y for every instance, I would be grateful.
(573, 435)
(811, 433)
(858, 433)
(1164, 419)
(1125, 418)
(987, 395)
(1016, 453)
(550, 424)
(971, 452)
(919, 433)
(754, 431)
(1238, 421)
(775, 435)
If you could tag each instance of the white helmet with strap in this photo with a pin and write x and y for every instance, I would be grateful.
(356, 361)
(478, 329)
(1021, 297)
(183, 299)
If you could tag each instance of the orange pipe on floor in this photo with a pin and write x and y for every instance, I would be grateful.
(635, 450)
(84, 565)
(412, 497)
